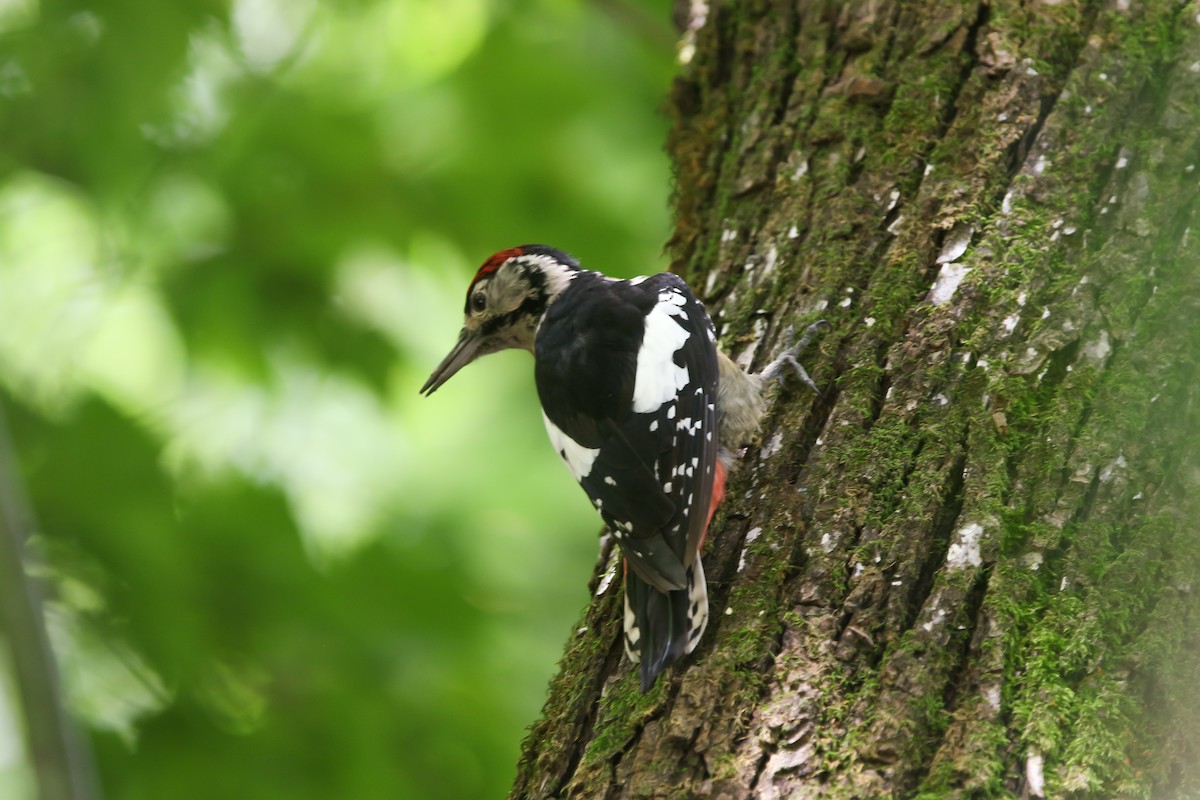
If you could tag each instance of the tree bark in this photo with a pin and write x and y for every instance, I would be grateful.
(968, 568)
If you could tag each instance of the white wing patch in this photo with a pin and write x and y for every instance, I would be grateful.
(579, 459)
(658, 378)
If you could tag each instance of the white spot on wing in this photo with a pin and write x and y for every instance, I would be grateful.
(579, 459)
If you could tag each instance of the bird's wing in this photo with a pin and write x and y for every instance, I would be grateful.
(642, 439)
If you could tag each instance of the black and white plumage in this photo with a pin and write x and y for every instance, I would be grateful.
(627, 372)
(627, 375)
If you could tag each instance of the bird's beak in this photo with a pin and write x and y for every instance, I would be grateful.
(464, 352)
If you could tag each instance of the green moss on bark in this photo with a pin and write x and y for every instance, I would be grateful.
(966, 569)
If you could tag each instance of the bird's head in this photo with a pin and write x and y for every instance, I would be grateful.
(505, 303)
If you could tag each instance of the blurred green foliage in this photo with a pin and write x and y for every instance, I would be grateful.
(233, 242)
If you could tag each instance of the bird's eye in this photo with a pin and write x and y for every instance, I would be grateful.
(478, 302)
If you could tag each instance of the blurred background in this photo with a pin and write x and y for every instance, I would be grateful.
(234, 240)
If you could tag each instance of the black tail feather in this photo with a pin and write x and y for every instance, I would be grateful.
(661, 632)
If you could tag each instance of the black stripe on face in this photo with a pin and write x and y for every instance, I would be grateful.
(532, 306)
(529, 282)
(535, 279)
(503, 322)
(526, 313)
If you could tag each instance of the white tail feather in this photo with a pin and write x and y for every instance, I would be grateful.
(697, 604)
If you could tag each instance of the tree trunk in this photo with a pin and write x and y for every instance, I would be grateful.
(967, 568)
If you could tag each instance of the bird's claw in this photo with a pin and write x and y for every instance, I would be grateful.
(788, 358)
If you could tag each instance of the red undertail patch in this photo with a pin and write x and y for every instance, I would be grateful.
(718, 494)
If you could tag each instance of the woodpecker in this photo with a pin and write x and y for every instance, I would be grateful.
(644, 409)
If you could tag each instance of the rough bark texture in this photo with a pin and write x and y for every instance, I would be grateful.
(969, 568)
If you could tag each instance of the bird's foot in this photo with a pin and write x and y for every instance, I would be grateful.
(788, 359)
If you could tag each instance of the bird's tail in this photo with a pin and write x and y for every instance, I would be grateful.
(660, 627)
